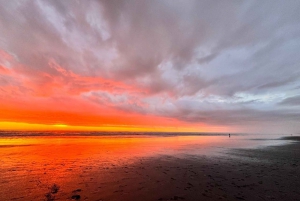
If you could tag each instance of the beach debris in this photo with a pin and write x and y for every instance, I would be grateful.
(75, 197)
(52, 190)
(49, 197)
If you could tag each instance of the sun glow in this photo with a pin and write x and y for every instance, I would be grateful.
(60, 125)
(64, 127)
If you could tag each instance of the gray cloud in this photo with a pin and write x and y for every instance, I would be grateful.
(293, 101)
(230, 62)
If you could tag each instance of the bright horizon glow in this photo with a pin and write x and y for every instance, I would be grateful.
(19, 126)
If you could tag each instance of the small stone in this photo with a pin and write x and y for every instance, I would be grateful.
(54, 188)
(75, 197)
(49, 197)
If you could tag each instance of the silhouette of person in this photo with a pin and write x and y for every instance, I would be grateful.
(229, 135)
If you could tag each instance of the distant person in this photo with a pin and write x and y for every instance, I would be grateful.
(229, 135)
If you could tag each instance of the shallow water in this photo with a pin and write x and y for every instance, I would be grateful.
(30, 164)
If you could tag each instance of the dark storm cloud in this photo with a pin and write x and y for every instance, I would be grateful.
(217, 62)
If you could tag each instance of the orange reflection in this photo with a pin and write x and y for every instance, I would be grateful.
(29, 165)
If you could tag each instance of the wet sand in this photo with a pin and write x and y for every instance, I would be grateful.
(271, 173)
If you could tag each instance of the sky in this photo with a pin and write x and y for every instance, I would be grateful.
(159, 65)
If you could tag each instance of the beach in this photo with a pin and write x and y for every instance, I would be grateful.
(131, 173)
(158, 100)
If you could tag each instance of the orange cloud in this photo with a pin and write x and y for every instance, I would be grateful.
(60, 99)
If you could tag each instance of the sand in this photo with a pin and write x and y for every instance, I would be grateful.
(270, 173)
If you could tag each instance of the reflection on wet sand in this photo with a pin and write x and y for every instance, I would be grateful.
(89, 166)
(30, 165)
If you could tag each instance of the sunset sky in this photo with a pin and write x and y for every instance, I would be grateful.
(159, 65)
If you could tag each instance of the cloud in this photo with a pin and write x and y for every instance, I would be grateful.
(292, 101)
(195, 61)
